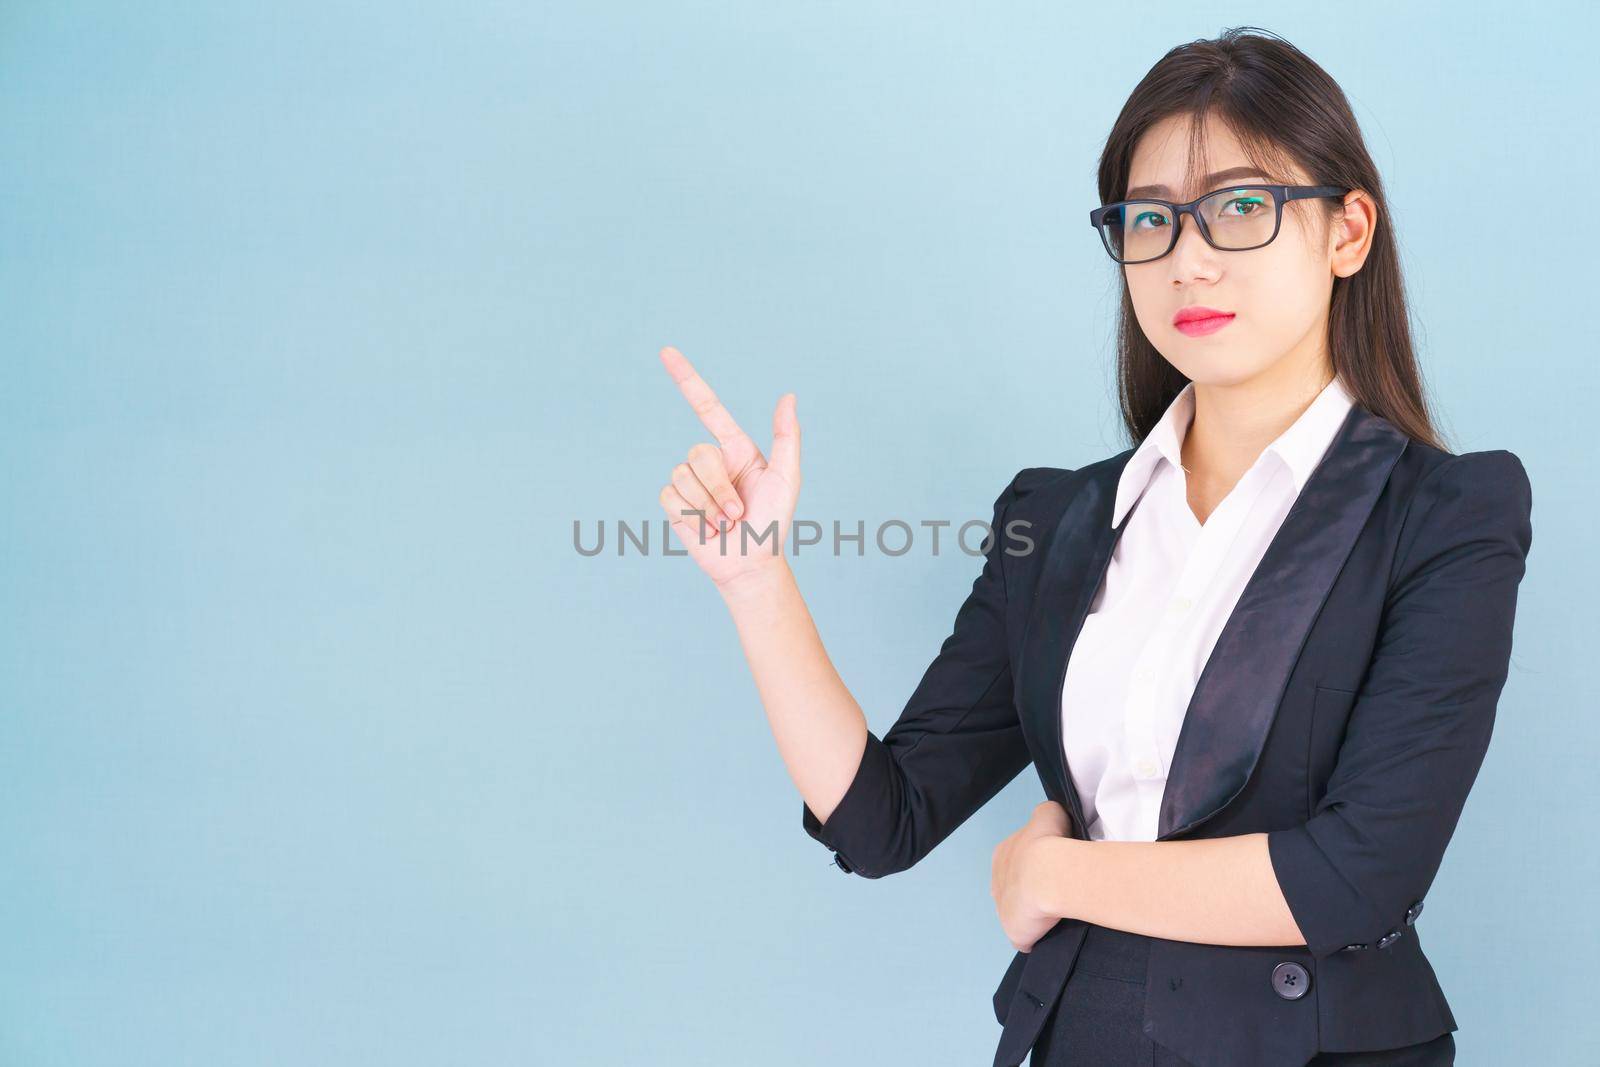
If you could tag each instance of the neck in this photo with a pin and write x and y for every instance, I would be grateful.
(1232, 424)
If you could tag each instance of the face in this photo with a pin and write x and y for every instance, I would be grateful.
(1278, 295)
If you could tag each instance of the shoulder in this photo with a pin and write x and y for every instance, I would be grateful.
(1496, 477)
(1051, 488)
(1489, 465)
(1037, 497)
(1031, 479)
(1028, 489)
(1024, 484)
(1478, 498)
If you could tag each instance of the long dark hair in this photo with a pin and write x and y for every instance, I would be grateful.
(1281, 106)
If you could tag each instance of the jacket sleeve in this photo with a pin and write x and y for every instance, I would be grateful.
(956, 744)
(1422, 716)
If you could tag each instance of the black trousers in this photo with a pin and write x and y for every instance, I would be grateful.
(1097, 1020)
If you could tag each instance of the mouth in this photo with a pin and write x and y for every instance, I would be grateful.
(1198, 325)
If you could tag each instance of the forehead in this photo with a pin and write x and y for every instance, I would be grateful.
(1162, 159)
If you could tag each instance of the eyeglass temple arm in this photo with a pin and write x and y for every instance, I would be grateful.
(1313, 192)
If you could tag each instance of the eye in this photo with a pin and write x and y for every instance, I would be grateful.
(1247, 205)
(1154, 216)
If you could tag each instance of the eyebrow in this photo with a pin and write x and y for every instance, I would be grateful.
(1211, 181)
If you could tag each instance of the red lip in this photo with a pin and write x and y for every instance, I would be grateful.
(1200, 320)
(1197, 311)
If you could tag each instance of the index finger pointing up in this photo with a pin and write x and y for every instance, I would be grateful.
(701, 398)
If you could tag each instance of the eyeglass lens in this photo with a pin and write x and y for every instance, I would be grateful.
(1237, 219)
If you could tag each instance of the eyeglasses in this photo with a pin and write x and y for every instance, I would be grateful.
(1235, 219)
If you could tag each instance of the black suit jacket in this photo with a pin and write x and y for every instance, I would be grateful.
(1344, 711)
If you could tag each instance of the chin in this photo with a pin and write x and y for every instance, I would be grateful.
(1218, 369)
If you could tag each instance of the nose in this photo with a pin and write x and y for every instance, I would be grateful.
(1191, 254)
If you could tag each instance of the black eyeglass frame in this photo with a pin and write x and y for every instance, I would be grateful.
(1281, 195)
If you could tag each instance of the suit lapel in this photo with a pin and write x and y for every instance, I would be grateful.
(1240, 687)
(1076, 558)
(1243, 680)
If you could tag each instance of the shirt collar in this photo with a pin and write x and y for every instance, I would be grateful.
(1300, 447)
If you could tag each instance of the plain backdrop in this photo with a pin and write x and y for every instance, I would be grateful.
(321, 324)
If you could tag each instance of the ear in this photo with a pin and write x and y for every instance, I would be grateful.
(1350, 234)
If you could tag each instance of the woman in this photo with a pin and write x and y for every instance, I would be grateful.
(1254, 659)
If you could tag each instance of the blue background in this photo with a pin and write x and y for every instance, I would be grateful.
(323, 322)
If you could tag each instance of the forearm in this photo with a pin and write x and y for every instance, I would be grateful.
(819, 728)
(1219, 891)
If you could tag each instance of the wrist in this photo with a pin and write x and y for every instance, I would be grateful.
(757, 584)
(1055, 863)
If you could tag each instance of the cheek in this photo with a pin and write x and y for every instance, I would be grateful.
(1281, 280)
(1145, 290)
(1280, 308)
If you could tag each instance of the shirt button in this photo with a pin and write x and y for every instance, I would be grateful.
(1146, 767)
(1179, 606)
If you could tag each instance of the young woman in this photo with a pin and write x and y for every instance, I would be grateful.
(1254, 659)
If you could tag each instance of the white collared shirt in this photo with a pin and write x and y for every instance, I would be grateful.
(1170, 586)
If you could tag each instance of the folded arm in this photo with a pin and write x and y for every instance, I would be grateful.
(1416, 737)
(1220, 891)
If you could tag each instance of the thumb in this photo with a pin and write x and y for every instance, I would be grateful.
(786, 439)
(1050, 816)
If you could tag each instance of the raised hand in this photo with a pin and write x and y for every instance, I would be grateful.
(744, 494)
